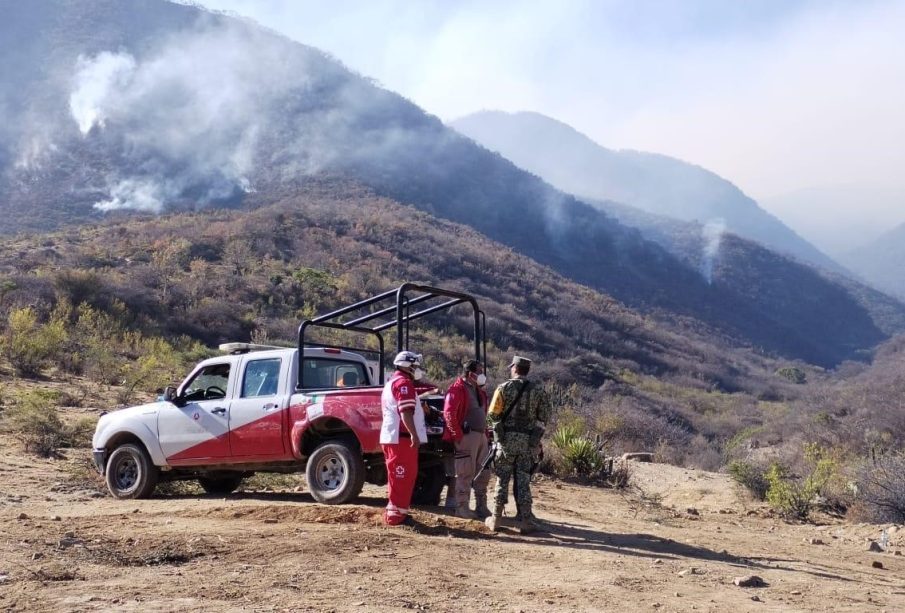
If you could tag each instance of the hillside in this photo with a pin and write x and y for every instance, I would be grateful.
(109, 116)
(228, 275)
(651, 182)
(305, 250)
(725, 258)
(645, 381)
(882, 261)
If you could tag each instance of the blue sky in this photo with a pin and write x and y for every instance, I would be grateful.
(776, 96)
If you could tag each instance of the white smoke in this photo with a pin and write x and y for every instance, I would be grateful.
(34, 150)
(187, 117)
(139, 195)
(97, 81)
(711, 237)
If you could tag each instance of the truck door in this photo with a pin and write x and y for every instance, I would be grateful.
(257, 413)
(200, 429)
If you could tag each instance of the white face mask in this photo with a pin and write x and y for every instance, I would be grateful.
(482, 380)
(418, 374)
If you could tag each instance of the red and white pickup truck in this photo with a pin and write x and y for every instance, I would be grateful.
(270, 409)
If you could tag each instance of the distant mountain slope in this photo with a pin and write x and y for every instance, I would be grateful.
(841, 218)
(703, 248)
(882, 262)
(155, 107)
(654, 183)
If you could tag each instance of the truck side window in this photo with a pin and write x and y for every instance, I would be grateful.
(261, 378)
(327, 373)
(210, 382)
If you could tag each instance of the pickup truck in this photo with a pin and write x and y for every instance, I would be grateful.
(269, 409)
(241, 413)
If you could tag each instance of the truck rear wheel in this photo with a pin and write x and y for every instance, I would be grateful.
(130, 472)
(335, 472)
(429, 485)
(225, 484)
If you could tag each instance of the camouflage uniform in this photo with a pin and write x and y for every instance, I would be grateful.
(518, 439)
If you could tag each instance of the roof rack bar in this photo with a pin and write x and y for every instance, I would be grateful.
(300, 384)
(483, 358)
(343, 347)
(387, 310)
(403, 319)
(354, 307)
(419, 314)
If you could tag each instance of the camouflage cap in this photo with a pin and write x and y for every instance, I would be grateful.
(518, 360)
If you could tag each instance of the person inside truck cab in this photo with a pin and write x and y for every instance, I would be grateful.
(348, 379)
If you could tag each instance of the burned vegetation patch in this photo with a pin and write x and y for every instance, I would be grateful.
(151, 552)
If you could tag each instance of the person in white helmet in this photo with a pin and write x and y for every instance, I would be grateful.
(401, 433)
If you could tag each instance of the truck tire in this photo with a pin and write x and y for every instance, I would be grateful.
(335, 472)
(221, 484)
(130, 472)
(429, 485)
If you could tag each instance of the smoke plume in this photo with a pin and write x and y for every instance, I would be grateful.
(711, 237)
(188, 117)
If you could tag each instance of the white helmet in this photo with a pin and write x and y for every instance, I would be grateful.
(408, 359)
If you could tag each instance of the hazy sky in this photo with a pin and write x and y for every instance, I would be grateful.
(775, 95)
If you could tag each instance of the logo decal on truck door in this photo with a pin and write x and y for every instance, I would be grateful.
(315, 411)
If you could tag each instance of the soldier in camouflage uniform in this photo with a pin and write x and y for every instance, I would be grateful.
(517, 429)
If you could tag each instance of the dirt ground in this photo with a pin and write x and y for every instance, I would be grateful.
(675, 544)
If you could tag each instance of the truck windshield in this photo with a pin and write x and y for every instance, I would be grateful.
(327, 372)
(209, 383)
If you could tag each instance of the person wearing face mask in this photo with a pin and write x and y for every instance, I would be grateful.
(465, 413)
(401, 433)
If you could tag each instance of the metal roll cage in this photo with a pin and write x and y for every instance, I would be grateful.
(398, 303)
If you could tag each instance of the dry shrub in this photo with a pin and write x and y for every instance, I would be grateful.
(750, 476)
(34, 419)
(880, 489)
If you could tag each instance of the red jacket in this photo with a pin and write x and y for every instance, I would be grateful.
(455, 409)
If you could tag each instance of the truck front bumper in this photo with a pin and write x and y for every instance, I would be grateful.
(100, 460)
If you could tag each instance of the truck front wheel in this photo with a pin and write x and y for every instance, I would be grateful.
(335, 472)
(130, 472)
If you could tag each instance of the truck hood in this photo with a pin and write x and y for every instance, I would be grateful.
(128, 419)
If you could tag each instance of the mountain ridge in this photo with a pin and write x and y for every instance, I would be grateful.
(573, 162)
(191, 120)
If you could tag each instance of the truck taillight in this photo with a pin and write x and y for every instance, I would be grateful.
(332, 350)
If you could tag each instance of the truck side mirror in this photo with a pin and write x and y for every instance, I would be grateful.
(169, 395)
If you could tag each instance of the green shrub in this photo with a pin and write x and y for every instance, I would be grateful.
(582, 457)
(80, 433)
(751, 477)
(793, 496)
(29, 345)
(157, 364)
(565, 435)
(579, 454)
(35, 421)
(793, 375)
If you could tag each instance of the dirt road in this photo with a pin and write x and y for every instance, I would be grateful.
(64, 546)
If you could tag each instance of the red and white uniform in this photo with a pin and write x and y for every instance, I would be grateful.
(399, 396)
